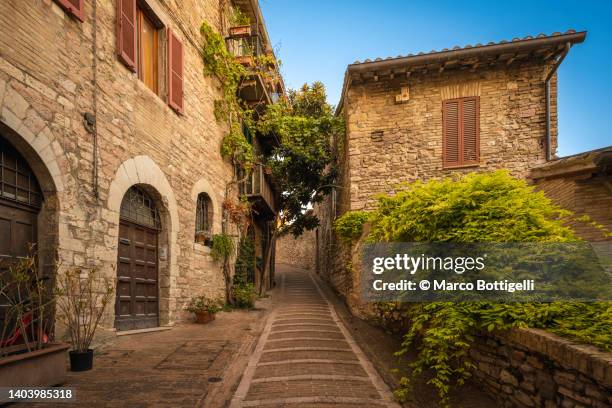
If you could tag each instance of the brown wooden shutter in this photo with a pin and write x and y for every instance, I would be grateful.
(175, 72)
(461, 131)
(126, 32)
(450, 125)
(470, 129)
(74, 7)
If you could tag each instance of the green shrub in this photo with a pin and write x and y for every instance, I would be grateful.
(350, 225)
(244, 295)
(478, 207)
(222, 247)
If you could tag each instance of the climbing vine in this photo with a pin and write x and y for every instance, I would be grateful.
(483, 207)
(219, 62)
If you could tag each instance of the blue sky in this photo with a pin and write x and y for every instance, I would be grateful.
(317, 39)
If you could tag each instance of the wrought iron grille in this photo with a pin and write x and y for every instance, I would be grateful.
(17, 181)
(203, 223)
(139, 207)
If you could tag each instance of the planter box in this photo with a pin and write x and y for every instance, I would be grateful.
(204, 317)
(39, 368)
(240, 31)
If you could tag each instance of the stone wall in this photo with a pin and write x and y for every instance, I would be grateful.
(49, 78)
(533, 368)
(298, 252)
(575, 192)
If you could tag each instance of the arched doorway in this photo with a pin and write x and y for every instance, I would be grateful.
(20, 202)
(137, 301)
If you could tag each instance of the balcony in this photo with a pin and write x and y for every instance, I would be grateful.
(258, 190)
(262, 86)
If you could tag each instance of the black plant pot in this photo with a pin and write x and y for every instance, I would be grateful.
(81, 360)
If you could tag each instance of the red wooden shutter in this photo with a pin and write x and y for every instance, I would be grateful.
(461, 131)
(450, 125)
(74, 7)
(175, 72)
(470, 129)
(126, 32)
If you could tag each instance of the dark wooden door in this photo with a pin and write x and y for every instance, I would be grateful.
(20, 203)
(137, 305)
(17, 232)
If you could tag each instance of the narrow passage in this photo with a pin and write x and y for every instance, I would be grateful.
(305, 357)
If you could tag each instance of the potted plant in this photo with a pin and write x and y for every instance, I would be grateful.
(204, 308)
(82, 296)
(28, 355)
(204, 237)
(240, 25)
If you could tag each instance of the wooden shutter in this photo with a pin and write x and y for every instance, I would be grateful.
(450, 124)
(470, 120)
(175, 72)
(126, 32)
(461, 128)
(74, 7)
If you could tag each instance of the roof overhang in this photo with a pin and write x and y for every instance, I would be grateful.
(506, 52)
(593, 161)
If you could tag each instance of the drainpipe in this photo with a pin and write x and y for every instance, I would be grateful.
(547, 91)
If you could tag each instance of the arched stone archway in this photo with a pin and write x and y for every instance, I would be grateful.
(37, 151)
(143, 172)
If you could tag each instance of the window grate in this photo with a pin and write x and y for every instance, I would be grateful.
(139, 207)
(17, 181)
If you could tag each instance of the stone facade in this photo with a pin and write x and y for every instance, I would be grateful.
(297, 252)
(389, 143)
(54, 69)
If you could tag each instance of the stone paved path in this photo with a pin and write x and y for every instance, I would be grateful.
(305, 357)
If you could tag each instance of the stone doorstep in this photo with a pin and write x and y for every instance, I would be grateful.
(140, 331)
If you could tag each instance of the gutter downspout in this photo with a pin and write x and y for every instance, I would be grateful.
(552, 71)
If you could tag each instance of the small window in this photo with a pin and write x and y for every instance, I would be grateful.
(203, 225)
(148, 57)
(461, 132)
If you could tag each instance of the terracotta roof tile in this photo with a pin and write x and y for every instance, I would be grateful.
(468, 46)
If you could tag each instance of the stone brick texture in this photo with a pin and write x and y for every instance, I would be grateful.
(533, 368)
(299, 252)
(47, 84)
(591, 199)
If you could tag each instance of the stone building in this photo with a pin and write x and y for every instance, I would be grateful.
(110, 147)
(581, 183)
(416, 117)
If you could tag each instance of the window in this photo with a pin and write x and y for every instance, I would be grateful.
(461, 132)
(138, 48)
(147, 51)
(203, 225)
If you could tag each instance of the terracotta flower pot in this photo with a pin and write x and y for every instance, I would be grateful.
(204, 317)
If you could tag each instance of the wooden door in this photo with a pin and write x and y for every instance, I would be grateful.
(137, 301)
(20, 203)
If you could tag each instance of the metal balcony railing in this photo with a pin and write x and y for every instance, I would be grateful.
(256, 186)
